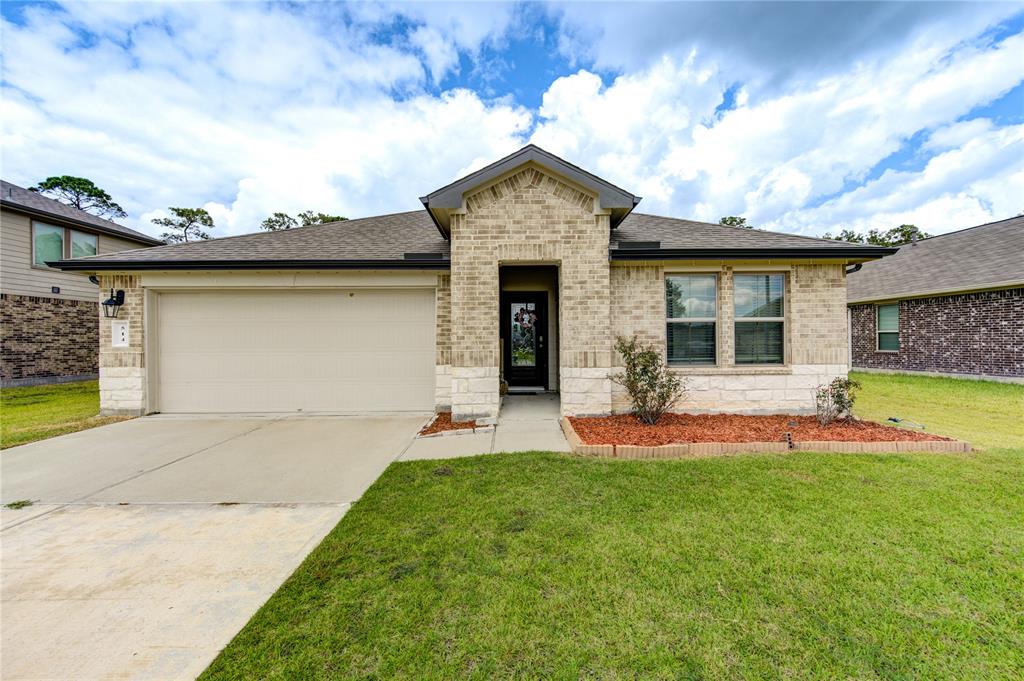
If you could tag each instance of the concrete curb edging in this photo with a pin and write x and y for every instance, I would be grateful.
(700, 449)
(458, 431)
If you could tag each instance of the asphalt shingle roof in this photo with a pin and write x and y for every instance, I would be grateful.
(678, 234)
(383, 237)
(986, 256)
(391, 237)
(14, 197)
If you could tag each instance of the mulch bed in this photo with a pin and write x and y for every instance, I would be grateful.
(626, 429)
(443, 421)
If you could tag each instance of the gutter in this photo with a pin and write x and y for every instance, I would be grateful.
(751, 253)
(91, 265)
(35, 212)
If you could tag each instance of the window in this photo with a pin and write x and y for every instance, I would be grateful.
(47, 243)
(82, 244)
(888, 327)
(760, 318)
(691, 310)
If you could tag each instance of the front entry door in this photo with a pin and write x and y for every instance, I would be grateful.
(524, 337)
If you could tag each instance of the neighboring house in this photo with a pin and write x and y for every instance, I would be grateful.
(524, 271)
(48, 329)
(952, 304)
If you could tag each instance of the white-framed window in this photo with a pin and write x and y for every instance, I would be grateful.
(691, 319)
(47, 243)
(759, 309)
(887, 322)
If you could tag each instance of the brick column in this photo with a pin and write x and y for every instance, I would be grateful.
(123, 370)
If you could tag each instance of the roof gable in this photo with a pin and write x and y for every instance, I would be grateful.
(440, 203)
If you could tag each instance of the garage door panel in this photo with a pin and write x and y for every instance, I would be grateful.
(281, 351)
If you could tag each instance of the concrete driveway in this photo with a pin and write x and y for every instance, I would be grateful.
(151, 542)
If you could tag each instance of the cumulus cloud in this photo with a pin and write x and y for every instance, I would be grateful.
(247, 109)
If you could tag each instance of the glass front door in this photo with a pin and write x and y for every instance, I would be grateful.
(524, 330)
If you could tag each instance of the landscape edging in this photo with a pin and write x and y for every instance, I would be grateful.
(699, 449)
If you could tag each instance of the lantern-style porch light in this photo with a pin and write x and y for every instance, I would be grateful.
(112, 304)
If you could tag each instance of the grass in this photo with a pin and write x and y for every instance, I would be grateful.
(772, 566)
(39, 412)
(985, 413)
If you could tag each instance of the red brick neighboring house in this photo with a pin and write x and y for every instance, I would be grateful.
(48, 327)
(952, 304)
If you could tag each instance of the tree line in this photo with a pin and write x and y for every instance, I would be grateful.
(187, 224)
(897, 236)
(190, 224)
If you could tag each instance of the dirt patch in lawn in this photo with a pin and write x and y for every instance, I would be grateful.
(443, 421)
(626, 429)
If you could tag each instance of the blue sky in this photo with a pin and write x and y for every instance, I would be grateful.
(803, 117)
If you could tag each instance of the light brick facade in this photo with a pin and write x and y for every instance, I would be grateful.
(530, 216)
(123, 370)
(815, 337)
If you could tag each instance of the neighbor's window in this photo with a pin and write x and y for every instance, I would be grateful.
(691, 310)
(760, 318)
(47, 243)
(889, 327)
(82, 244)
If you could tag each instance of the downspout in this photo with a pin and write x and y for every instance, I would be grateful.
(855, 268)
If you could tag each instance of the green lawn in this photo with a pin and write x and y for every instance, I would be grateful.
(771, 566)
(36, 413)
(985, 413)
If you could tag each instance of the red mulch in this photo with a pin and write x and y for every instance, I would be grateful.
(443, 421)
(626, 429)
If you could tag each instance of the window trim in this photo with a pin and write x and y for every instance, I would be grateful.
(736, 319)
(65, 243)
(879, 332)
(716, 320)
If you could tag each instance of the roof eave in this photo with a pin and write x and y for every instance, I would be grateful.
(861, 253)
(91, 265)
(37, 212)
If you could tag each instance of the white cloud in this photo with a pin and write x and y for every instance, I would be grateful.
(248, 109)
(656, 131)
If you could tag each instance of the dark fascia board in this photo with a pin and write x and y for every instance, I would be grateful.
(750, 253)
(90, 265)
(46, 215)
(610, 196)
(450, 196)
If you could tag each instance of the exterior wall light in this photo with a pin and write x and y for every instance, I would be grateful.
(112, 304)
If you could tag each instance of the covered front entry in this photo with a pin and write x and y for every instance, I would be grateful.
(338, 350)
(529, 327)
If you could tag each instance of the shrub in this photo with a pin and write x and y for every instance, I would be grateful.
(652, 388)
(835, 400)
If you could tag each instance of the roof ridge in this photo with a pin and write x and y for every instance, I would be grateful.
(967, 229)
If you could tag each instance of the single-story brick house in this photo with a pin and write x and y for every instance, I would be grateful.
(48, 329)
(952, 305)
(522, 272)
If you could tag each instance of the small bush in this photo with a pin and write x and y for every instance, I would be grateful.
(835, 400)
(652, 388)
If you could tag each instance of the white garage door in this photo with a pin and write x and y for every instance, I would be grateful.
(283, 351)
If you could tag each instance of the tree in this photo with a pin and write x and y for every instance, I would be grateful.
(897, 236)
(278, 222)
(80, 193)
(308, 217)
(186, 225)
(734, 221)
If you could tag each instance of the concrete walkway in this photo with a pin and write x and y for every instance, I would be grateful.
(150, 543)
(525, 423)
